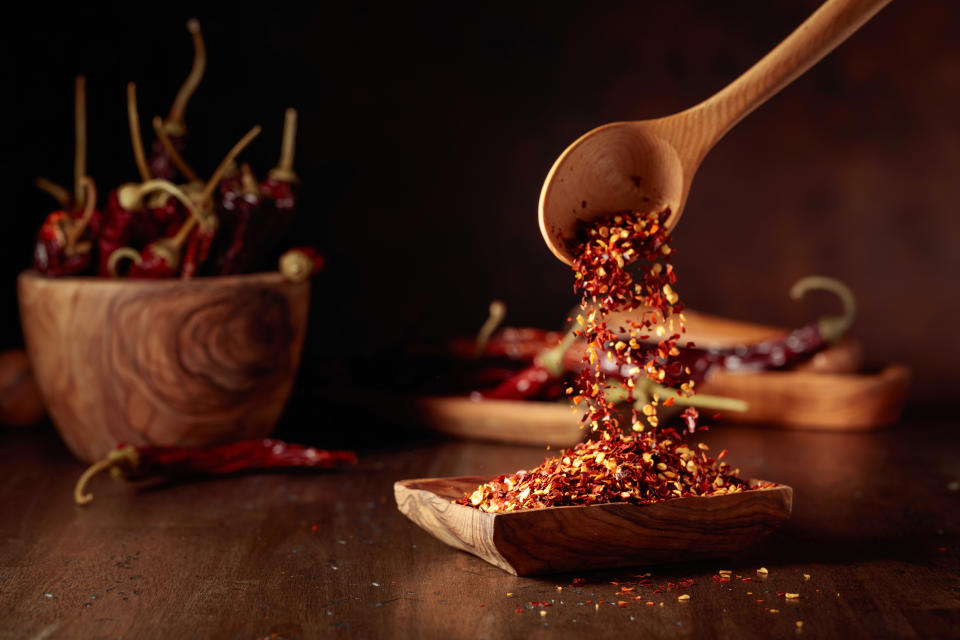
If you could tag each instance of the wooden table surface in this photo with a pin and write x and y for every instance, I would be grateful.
(875, 525)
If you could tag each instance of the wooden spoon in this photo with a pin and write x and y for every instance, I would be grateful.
(557, 539)
(649, 164)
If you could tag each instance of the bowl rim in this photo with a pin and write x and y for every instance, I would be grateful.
(240, 278)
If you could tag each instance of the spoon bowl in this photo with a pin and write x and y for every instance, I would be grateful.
(617, 167)
(648, 165)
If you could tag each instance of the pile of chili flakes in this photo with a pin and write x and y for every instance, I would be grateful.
(639, 469)
(643, 467)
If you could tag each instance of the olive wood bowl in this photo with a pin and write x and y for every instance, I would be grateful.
(166, 362)
(560, 539)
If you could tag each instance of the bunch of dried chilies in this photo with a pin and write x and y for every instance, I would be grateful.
(156, 228)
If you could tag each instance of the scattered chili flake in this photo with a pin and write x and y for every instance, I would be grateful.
(519, 610)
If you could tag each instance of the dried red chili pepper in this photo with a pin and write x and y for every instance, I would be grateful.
(137, 462)
(163, 163)
(278, 192)
(798, 345)
(546, 372)
(65, 240)
(242, 223)
(127, 222)
(202, 240)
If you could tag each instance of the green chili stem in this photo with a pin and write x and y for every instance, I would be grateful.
(832, 328)
(498, 311)
(552, 360)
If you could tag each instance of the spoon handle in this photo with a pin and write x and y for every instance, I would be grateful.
(819, 34)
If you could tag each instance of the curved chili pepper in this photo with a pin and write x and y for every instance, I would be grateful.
(241, 232)
(545, 373)
(137, 462)
(202, 241)
(278, 193)
(65, 240)
(198, 250)
(798, 345)
(163, 163)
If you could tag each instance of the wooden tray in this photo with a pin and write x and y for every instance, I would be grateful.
(822, 393)
(559, 539)
(823, 401)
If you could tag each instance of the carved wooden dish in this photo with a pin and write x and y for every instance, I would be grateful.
(172, 362)
(559, 539)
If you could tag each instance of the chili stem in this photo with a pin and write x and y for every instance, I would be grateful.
(284, 169)
(172, 152)
(76, 230)
(136, 137)
(719, 403)
(175, 120)
(225, 163)
(80, 139)
(113, 461)
(131, 196)
(249, 180)
(552, 360)
(60, 194)
(832, 328)
(120, 254)
(498, 310)
(177, 241)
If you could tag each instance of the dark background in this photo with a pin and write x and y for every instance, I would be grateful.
(426, 132)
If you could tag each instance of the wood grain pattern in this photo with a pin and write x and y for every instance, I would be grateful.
(192, 362)
(650, 164)
(558, 539)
